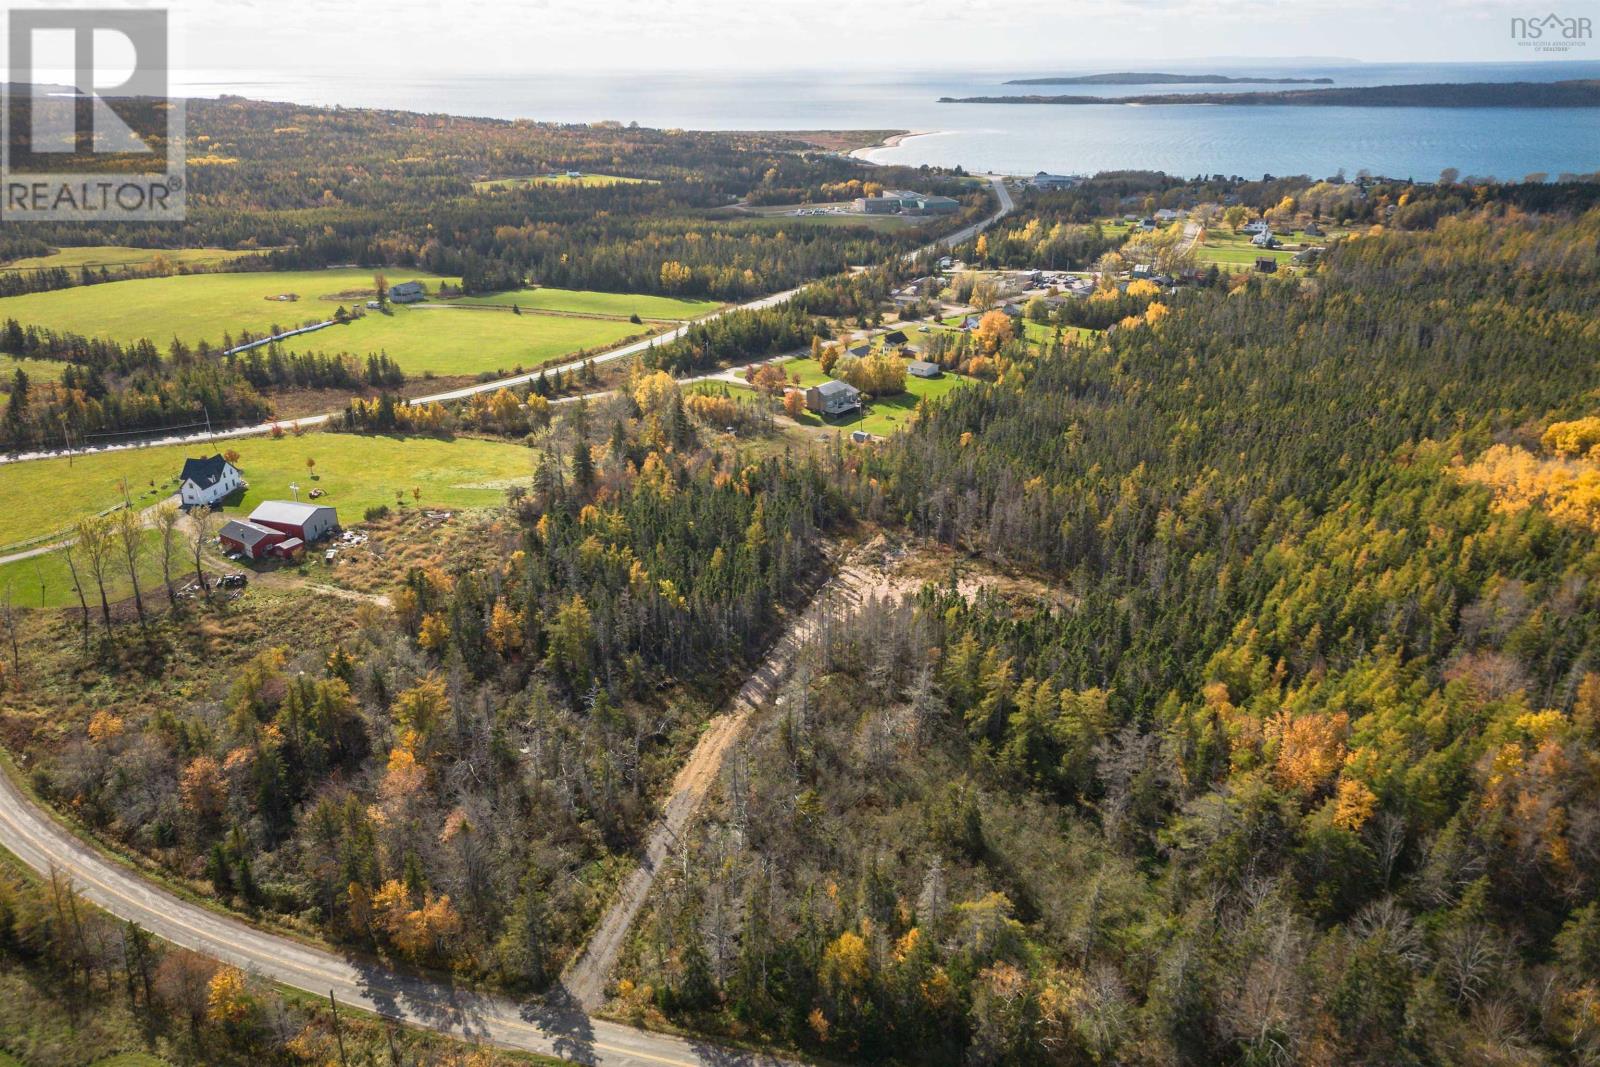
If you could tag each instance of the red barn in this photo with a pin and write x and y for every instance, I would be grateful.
(307, 522)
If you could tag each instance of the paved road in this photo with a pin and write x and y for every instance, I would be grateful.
(966, 233)
(554, 1030)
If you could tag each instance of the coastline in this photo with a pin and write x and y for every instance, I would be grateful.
(893, 141)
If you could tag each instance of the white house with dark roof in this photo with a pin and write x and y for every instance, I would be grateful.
(204, 482)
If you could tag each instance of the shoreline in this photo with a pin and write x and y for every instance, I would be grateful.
(864, 154)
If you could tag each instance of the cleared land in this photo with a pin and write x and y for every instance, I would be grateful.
(453, 342)
(208, 306)
(589, 302)
(354, 471)
(198, 306)
(884, 415)
(588, 180)
(37, 370)
(113, 256)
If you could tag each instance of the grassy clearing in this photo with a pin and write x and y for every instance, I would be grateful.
(46, 582)
(886, 414)
(587, 302)
(354, 471)
(453, 342)
(37, 370)
(208, 306)
(589, 181)
(114, 256)
(199, 306)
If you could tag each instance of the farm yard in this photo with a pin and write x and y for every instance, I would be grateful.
(355, 472)
(422, 341)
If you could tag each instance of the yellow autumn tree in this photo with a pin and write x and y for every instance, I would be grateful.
(227, 1000)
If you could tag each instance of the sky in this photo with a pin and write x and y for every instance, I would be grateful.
(456, 38)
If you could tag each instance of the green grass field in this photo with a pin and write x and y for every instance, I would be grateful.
(199, 306)
(459, 341)
(586, 302)
(886, 414)
(587, 180)
(207, 306)
(123, 256)
(354, 472)
(37, 370)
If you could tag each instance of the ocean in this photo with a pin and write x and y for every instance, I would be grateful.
(1022, 138)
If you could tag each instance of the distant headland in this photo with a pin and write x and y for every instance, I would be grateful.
(1562, 94)
(1126, 78)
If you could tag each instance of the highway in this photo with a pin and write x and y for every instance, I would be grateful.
(553, 1029)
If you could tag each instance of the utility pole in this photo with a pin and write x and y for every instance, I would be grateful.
(337, 1033)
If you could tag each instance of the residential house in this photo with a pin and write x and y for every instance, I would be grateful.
(1313, 230)
(895, 337)
(205, 482)
(1256, 226)
(833, 398)
(406, 293)
(1264, 239)
(1054, 181)
(1168, 214)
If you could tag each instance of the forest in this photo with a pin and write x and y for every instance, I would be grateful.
(1292, 759)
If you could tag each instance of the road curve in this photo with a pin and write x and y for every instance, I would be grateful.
(559, 1029)
(634, 348)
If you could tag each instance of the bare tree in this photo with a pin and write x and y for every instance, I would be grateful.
(71, 554)
(167, 517)
(94, 538)
(8, 622)
(130, 537)
(202, 524)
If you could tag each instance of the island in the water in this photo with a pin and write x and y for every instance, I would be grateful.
(1576, 93)
(1127, 78)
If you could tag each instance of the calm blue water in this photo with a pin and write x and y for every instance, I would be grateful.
(1249, 141)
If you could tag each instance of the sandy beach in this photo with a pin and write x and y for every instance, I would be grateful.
(865, 154)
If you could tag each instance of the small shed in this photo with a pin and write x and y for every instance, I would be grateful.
(921, 368)
(1266, 265)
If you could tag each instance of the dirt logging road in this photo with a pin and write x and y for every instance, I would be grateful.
(561, 1025)
(857, 580)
